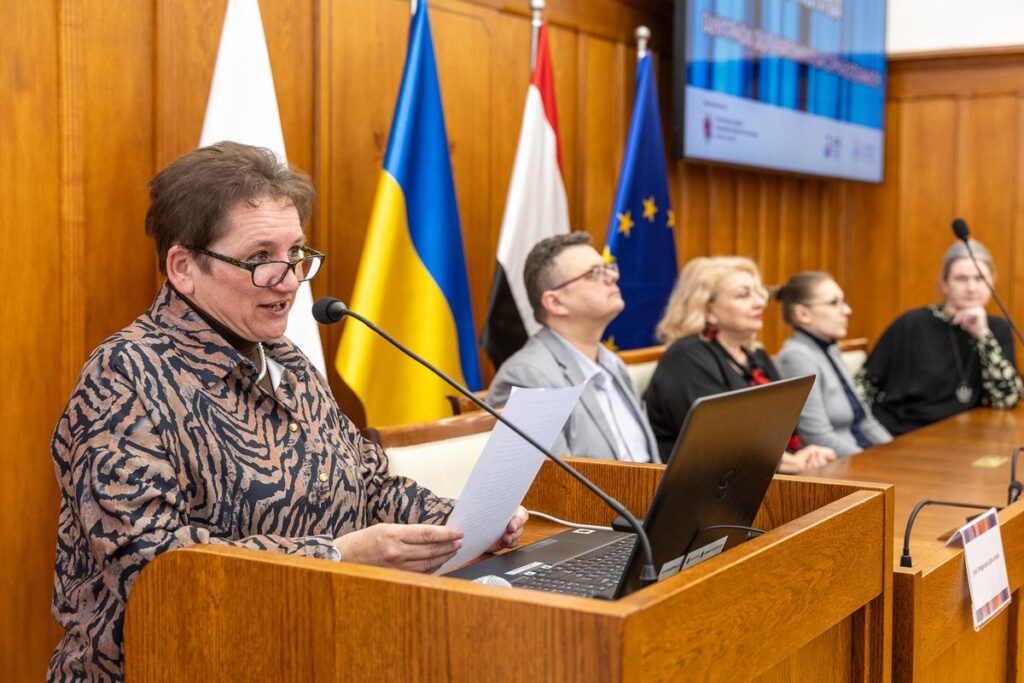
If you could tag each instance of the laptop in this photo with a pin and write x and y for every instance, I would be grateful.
(723, 461)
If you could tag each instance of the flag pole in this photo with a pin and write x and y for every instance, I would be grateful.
(412, 7)
(643, 34)
(536, 9)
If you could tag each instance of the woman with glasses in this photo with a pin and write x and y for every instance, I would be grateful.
(940, 360)
(711, 325)
(813, 304)
(201, 423)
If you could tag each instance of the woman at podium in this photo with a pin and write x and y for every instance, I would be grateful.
(201, 423)
(711, 325)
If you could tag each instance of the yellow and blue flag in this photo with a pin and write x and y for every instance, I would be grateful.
(641, 232)
(412, 276)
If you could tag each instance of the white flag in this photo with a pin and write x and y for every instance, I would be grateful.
(536, 208)
(243, 108)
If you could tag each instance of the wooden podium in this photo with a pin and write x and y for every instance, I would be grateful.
(810, 600)
(963, 458)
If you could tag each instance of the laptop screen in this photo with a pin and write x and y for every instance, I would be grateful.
(721, 466)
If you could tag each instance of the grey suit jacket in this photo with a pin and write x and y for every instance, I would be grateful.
(827, 416)
(546, 362)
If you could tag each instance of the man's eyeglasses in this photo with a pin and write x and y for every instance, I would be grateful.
(599, 273)
(273, 273)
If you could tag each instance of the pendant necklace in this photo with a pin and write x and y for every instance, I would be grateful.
(964, 392)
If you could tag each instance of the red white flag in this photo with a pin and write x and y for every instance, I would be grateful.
(536, 208)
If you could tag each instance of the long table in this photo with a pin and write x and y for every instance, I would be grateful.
(965, 458)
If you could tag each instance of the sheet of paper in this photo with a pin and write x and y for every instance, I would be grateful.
(986, 566)
(507, 467)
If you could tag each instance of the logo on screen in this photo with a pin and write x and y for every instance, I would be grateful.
(833, 147)
(707, 128)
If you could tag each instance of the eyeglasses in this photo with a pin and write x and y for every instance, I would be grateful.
(599, 273)
(838, 302)
(273, 273)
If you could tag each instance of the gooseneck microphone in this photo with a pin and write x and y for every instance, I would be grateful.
(328, 310)
(905, 559)
(963, 234)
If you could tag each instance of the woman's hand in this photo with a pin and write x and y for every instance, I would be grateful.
(972, 320)
(413, 547)
(806, 458)
(513, 532)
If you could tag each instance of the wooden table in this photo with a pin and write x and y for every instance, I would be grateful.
(965, 458)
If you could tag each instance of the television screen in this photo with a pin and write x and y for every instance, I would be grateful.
(794, 85)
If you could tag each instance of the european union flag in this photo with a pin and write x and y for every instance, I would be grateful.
(640, 235)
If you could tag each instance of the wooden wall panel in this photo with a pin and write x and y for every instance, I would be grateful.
(32, 150)
(116, 167)
(954, 148)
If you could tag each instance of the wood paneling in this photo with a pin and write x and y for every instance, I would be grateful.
(32, 150)
(954, 148)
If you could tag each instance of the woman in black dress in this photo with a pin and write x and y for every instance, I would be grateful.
(711, 324)
(940, 360)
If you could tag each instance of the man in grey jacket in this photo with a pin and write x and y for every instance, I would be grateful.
(575, 295)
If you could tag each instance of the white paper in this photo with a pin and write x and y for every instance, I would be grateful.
(986, 566)
(507, 467)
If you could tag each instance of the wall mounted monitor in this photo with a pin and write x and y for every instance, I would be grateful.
(792, 85)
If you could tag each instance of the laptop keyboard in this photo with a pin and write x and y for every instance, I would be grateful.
(596, 572)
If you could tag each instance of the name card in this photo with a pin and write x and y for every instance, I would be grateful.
(986, 566)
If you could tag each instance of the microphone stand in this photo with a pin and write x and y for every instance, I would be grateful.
(963, 234)
(326, 310)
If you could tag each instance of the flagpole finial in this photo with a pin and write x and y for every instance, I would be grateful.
(536, 10)
(412, 6)
(643, 34)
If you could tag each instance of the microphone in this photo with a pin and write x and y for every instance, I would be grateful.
(960, 229)
(905, 560)
(963, 234)
(492, 580)
(1015, 486)
(328, 310)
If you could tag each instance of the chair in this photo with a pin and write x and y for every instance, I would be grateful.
(460, 404)
(854, 352)
(640, 364)
(440, 454)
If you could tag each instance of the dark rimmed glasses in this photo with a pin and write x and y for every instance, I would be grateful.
(273, 273)
(599, 273)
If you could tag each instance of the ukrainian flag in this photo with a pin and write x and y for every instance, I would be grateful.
(412, 277)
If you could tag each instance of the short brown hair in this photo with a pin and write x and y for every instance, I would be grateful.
(189, 201)
(799, 289)
(539, 269)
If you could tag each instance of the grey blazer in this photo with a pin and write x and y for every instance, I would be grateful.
(546, 362)
(827, 415)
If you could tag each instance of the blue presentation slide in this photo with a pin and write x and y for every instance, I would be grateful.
(796, 85)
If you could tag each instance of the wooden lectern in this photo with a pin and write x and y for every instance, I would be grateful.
(810, 600)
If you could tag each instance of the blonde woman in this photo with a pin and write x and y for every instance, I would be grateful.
(711, 324)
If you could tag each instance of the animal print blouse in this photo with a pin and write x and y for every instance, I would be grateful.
(167, 441)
